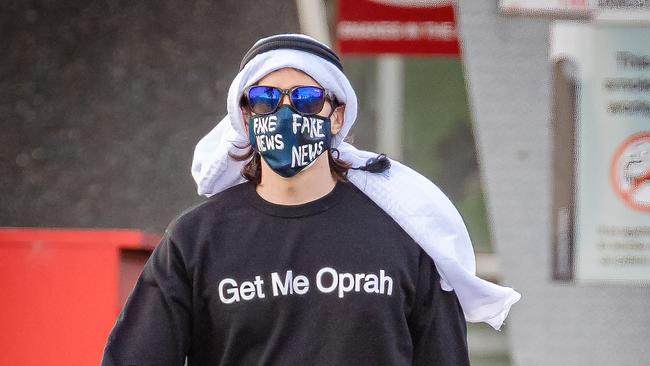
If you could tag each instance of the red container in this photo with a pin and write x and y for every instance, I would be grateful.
(62, 290)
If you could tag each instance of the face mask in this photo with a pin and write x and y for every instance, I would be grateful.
(288, 141)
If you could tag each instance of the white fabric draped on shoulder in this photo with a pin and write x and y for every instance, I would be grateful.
(413, 201)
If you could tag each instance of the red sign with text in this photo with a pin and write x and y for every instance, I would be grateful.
(407, 27)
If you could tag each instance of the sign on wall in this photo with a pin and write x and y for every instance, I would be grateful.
(533, 6)
(580, 8)
(611, 208)
(411, 27)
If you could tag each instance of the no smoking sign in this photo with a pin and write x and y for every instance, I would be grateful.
(630, 171)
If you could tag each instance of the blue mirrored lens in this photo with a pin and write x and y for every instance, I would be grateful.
(308, 99)
(263, 99)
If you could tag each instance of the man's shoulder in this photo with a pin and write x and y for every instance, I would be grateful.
(369, 214)
(210, 210)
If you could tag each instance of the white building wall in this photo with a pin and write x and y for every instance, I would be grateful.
(508, 77)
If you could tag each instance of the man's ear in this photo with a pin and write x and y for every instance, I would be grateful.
(337, 119)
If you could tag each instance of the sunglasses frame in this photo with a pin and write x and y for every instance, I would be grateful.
(327, 95)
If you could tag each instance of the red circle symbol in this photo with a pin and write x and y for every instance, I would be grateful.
(630, 171)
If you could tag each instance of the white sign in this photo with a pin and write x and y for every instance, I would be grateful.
(545, 6)
(612, 193)
(581, 8)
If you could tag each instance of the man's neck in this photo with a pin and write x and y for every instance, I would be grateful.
(308, 185)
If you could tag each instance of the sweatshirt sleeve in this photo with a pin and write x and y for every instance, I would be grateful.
(154, 327)
(437, 324)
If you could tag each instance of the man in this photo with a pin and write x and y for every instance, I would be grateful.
(293, 261)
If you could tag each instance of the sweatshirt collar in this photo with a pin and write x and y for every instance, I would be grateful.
(301, 210)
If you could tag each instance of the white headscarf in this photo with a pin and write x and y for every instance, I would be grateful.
(414, 202)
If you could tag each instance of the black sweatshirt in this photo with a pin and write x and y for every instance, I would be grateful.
(238, 280)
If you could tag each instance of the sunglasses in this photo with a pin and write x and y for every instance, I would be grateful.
(306, 100)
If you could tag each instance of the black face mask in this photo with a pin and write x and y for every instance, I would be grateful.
(288, 141)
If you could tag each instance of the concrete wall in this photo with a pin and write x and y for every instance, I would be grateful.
(508, 78)
(102, 102)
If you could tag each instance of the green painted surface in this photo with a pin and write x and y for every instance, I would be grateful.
(438, 139)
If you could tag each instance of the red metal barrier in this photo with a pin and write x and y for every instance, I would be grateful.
(62, 290)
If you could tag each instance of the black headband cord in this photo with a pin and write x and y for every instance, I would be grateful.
(294, 43)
